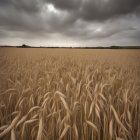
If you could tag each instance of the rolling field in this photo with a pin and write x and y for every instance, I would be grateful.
(69, 94)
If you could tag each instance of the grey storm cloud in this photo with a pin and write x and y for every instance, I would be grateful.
(20, 15)
(66, 4)
(97, 9)
(105, 9)
(22, 5)
(81, 19)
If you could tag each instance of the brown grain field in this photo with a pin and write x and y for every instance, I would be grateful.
(69, 94)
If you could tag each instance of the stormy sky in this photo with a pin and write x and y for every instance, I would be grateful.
(70, 22)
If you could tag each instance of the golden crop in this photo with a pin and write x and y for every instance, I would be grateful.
(69, 94)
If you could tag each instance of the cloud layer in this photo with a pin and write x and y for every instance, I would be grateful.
(88, 22)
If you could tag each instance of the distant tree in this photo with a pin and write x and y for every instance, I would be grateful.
(25, 46)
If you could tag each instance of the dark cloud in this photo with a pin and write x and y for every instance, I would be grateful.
(88, 31)
(22, 5)
(72, 19)
(137, 12)
(19, 21)
(21, 15)
(5, 2)
(32, 15)
(106, 9)
(28, 5)
(97, 9)
(66, 4)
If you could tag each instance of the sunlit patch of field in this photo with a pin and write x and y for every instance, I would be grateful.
(69, 94)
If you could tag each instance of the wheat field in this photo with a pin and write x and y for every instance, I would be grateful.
(62, 94)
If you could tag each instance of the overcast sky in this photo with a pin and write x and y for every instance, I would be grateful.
(70, 22)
